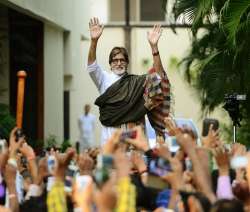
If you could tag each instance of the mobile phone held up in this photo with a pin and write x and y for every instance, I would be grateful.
(128, 134)
(206, 124)
(51, 164)
(159, 167)
(103, 169)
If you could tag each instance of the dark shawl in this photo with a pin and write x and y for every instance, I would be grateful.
(123, 101)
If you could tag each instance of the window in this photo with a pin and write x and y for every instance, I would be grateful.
(140, 10)
(116, 11)
(151, 10)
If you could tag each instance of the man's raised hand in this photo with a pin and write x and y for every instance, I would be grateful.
(95, 29)
(154, 35)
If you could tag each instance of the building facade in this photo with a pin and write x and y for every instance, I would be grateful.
(50, 40)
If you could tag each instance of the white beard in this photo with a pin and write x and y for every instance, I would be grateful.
(119, 72)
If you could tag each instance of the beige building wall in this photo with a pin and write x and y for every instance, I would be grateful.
(53, 81)
(57, 12)
(65, 25)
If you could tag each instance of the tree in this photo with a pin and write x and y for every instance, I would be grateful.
(219, 59)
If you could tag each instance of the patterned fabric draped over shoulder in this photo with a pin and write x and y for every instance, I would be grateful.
(157, 86)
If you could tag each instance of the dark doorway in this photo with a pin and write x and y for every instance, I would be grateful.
(66, 108)
(26, 53)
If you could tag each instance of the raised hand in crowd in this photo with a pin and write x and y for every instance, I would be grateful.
(85, 164)
(171, 126)
(3, 158)
(111, 145)
(138, 162)
(140, 142)
(175, 180)
(13, 144)
(106, 198)
(212, 140)
(93, 153)
(10, 179)
(29, 153)
(188, 144)
(238, 149)
(42, 171)
(121, 163)
(63, 160)
(163, 151)
(175, 176)
(222, 158)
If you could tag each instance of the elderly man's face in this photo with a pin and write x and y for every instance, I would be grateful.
(119, 64)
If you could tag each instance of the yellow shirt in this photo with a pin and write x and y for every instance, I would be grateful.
(126, 196)
(56, 199)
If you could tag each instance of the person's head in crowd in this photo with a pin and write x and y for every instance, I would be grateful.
(118, 60)
(241, 190)
(226, 205)
(87, 109)
(86, 164)
(194, 201)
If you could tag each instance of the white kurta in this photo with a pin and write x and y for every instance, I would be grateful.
(102, 80)
(87, 128)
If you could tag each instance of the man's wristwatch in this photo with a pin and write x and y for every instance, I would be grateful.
(155, 53)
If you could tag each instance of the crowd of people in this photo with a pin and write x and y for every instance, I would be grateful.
(125, 174)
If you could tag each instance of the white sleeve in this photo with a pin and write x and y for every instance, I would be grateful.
(97, 74)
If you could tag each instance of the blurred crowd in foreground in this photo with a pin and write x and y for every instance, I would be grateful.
(126, 175)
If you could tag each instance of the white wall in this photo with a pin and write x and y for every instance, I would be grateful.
(99, 9)
(57, 11)
(53, 82)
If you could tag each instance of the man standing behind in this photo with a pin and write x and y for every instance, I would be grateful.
(86, 124)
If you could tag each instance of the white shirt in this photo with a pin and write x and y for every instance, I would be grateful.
(87, 125)
(102, 80)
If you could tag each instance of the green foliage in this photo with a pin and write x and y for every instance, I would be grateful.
(242, 133)
(37, 145)
(235, 19)
(51, 141)
(65, 145)
(174, 63)
(7, 121)
(220, 57)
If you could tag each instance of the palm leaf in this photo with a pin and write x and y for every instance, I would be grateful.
(195, 12)
(235, 17)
